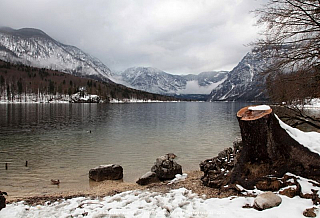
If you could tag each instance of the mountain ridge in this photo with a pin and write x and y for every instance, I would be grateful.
(35, 48)
(244, 82)
(160, 82)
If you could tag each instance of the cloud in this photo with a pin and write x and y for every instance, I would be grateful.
(177, 36)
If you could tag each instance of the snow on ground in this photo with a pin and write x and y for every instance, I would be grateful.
(177, 203)
(134, 100)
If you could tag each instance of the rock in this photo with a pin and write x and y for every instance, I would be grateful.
(269, 184)
(266, 200)
(166, 168)
(2, 200)
(149, 177)
(310, 212)
(106, 172)
(289, 192)
(216, 170)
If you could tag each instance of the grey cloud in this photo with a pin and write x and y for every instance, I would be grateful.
(187, 36)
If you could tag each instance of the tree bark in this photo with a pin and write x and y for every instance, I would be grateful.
(267, 149)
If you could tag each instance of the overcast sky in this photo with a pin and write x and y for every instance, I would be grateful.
(179, 37)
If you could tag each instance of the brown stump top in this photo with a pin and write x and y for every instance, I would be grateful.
(253, 112)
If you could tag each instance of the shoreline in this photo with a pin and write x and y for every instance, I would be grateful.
(112, 187)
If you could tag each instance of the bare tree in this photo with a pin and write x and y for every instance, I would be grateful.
(292, 34)
(291, 46)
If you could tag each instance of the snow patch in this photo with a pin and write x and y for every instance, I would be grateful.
(314, 103)
(311, 140)
(178, 178)
(259, 108)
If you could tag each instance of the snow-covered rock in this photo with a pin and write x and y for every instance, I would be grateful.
(34, 47)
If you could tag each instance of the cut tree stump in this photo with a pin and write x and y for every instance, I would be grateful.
(266, 150)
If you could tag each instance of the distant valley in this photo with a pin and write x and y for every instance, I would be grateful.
(157, 81)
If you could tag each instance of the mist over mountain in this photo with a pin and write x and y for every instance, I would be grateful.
(157, 81)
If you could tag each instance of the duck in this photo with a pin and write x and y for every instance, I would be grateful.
(55, 181)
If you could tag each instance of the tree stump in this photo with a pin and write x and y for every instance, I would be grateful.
(267, 149)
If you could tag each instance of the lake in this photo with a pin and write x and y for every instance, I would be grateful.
(64, 141)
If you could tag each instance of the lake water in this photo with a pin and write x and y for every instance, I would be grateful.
(56, 141)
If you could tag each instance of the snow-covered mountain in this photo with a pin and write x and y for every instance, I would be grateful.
(243, 83)
(34, 47)
(152, 80)
(157, 81)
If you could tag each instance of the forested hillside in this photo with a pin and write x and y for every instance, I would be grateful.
(18, 81)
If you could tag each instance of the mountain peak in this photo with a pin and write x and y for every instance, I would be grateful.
(24, 32)
(244, 82)
(34, 47)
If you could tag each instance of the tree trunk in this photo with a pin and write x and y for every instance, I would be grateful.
(267, 149)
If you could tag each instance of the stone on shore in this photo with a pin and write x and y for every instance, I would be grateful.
(310, 212)
(148, 178)
(106, 172)
(2, 201)
(166, 168)
(266, 200)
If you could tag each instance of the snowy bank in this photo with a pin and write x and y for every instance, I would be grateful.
(176, 203)
(134, 100)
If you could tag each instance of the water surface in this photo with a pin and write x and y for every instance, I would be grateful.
(56, 140)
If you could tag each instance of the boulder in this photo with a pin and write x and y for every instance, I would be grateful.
(266, 200)
(269, 184)
(290, 192)
(149, 177)
(106, 172)
(310, 212)
(2, 200)
(166, 167)
(217, 170)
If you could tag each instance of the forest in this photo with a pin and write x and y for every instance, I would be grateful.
(17, 81)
